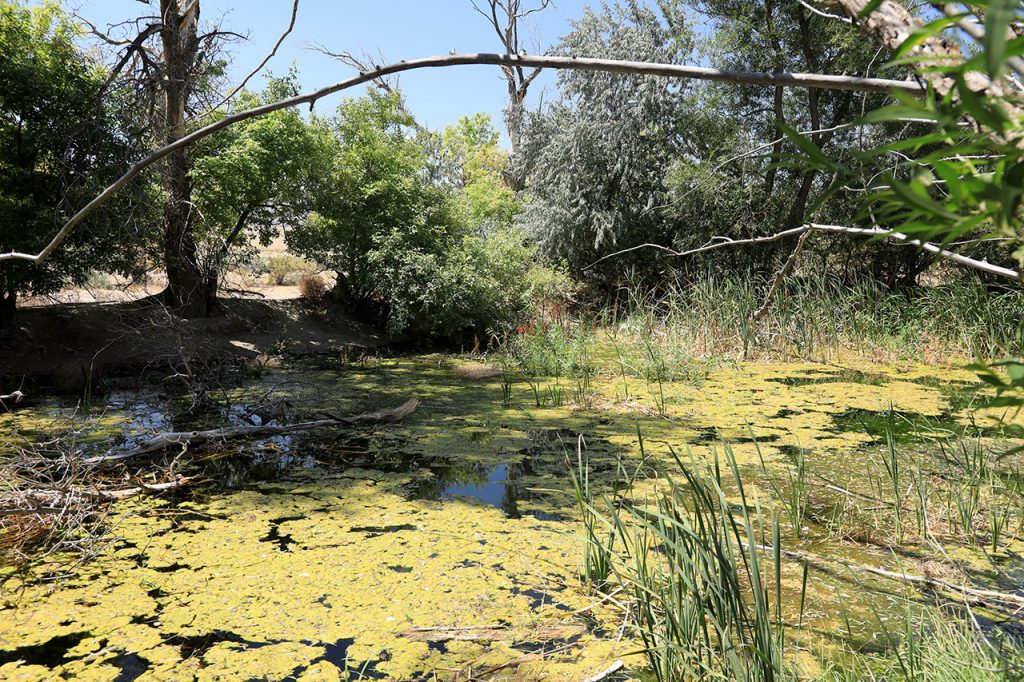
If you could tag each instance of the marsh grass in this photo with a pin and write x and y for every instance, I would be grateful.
(820, 315)
(702, 563)
(599, 535)
(793, 493)
(702, 594)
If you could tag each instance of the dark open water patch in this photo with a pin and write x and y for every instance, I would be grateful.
(905, 427)
(845, 376)
(283, 540)
(375, 531)
(197, 645)
(50, 654)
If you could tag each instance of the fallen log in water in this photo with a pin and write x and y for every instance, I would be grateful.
(185, 439)
(57, 501)
(972, 594)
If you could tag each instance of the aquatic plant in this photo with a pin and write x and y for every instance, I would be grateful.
(599, 535)
(702, 600)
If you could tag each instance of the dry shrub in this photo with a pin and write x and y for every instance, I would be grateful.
(284, 267)
(313, 290)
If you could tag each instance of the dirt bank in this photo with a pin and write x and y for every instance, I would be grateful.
(65, 347)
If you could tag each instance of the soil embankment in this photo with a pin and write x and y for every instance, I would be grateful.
(65, 347)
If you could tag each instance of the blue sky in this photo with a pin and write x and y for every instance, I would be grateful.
(400, 29)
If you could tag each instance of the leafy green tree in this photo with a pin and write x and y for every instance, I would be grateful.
(596, 162)
(477, 167)
(375, 192)
(421, 254)
(256, 176)
(59, 145)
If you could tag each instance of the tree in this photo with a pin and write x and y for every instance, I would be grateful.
(472, 163)
(59, 144)
(375, 188)
(174, 69)
(596, 162)
(255, 177)
(761, 192)
(506, 18)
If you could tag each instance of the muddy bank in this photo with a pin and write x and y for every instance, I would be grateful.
(73, 348)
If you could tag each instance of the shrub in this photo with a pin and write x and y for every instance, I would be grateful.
(284, 267)
(313, 289)
(481, 284)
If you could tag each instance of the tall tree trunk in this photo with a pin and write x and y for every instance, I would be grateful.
(7, 308)
(189, 290)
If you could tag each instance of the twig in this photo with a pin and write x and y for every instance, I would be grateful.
(781, 275)
(238, 88)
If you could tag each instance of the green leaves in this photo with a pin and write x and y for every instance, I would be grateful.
(997, 22)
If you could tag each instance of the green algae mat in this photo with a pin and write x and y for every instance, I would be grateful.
(447, 546)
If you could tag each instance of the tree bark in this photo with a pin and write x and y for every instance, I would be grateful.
(8, 301)
(189, 289)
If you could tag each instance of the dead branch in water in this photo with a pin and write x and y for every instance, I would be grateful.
(15, 397)
(186, 439)
(59, 498)
(491, 633)
(972, 594)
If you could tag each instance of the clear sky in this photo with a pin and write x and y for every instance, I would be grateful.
(399, 29)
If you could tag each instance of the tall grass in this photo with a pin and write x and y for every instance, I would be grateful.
(822, 315)
(702, 595)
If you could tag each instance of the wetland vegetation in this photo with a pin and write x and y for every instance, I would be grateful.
(681, 375)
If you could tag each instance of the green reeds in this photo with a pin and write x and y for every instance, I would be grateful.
(694, 567)
(599, 539)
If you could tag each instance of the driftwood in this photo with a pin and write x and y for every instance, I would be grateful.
(990, 597)
(185, 439)
(492, 633)
(51, 497)
(16, 397)
(58, 501)
(607, 672)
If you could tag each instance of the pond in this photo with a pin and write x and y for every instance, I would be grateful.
(449, 544)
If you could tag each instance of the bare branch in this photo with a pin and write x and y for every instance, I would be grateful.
(781, 275)
(799, 80)
(362, 64)
(814, 10)
(725, 242)
(977, 31)
(238, 88)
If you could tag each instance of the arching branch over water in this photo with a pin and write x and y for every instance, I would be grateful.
(785, 79)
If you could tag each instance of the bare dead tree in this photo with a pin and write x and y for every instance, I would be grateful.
(506, 17)
(167, 64)
(364, 63)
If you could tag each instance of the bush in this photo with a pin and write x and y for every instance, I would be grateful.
(285, 267)
(480, 284)
(313, 289)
